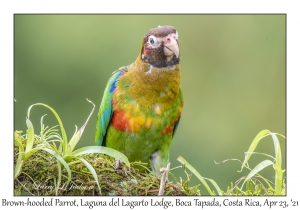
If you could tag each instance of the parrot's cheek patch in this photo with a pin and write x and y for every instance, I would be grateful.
(146, 52)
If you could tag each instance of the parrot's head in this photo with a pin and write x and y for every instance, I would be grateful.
(160, 47)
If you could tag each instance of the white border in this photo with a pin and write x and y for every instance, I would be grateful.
(291, 8)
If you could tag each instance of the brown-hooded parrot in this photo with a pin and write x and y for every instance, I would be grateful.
(142, 102)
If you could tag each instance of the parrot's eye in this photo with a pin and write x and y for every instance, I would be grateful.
(152, 40)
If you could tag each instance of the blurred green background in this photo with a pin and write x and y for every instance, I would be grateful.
(233, 79)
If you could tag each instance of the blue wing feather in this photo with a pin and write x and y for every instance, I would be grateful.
(105, 111)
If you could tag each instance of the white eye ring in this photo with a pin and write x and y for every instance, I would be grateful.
(152, 40)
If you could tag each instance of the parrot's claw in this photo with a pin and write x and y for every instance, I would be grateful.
(164, 179)
(119, 164)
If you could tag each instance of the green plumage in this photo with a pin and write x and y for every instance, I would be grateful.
(142, 102)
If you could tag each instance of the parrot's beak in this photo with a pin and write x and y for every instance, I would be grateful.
(171, 47)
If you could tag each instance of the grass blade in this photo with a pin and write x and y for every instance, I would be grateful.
(20, 161)
(255, 142)
(63, 132)
(259, 153)
(76, 137)
(277, 149)
(215, 185)
(196, 173)
(99, 149)
(278, 179)
(253, 145)
(277, 165)
(31, 152)
(60, 159)
(92, 170)
(18, 142)
(58, 178)
(42, 124)
(18, 167)
(257, 169)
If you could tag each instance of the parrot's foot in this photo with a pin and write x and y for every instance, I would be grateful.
(164, 179)
(119, 164)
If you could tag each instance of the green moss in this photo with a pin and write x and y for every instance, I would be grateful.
(40, 176)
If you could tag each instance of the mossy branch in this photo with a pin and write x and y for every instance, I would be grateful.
(39, 176)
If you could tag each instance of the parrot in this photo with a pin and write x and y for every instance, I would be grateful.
(142, 102)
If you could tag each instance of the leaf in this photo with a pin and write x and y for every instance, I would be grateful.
(31, 152)
(99, 149)
(58, 178)
(278, 179)
(20, 160)
(215, 185)
(277, 149)
(30, 136)
(259, 153)
(76, 137)
(30, 139)
(42, 124)
(63, 132)
(18, 142)
(277, 165)
(92, 170)
(255, 142)
(18, 167)
(257, 169)
(60, 159)
(196, 173)
(253, 145)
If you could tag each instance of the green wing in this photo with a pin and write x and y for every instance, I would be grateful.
(106, 109)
